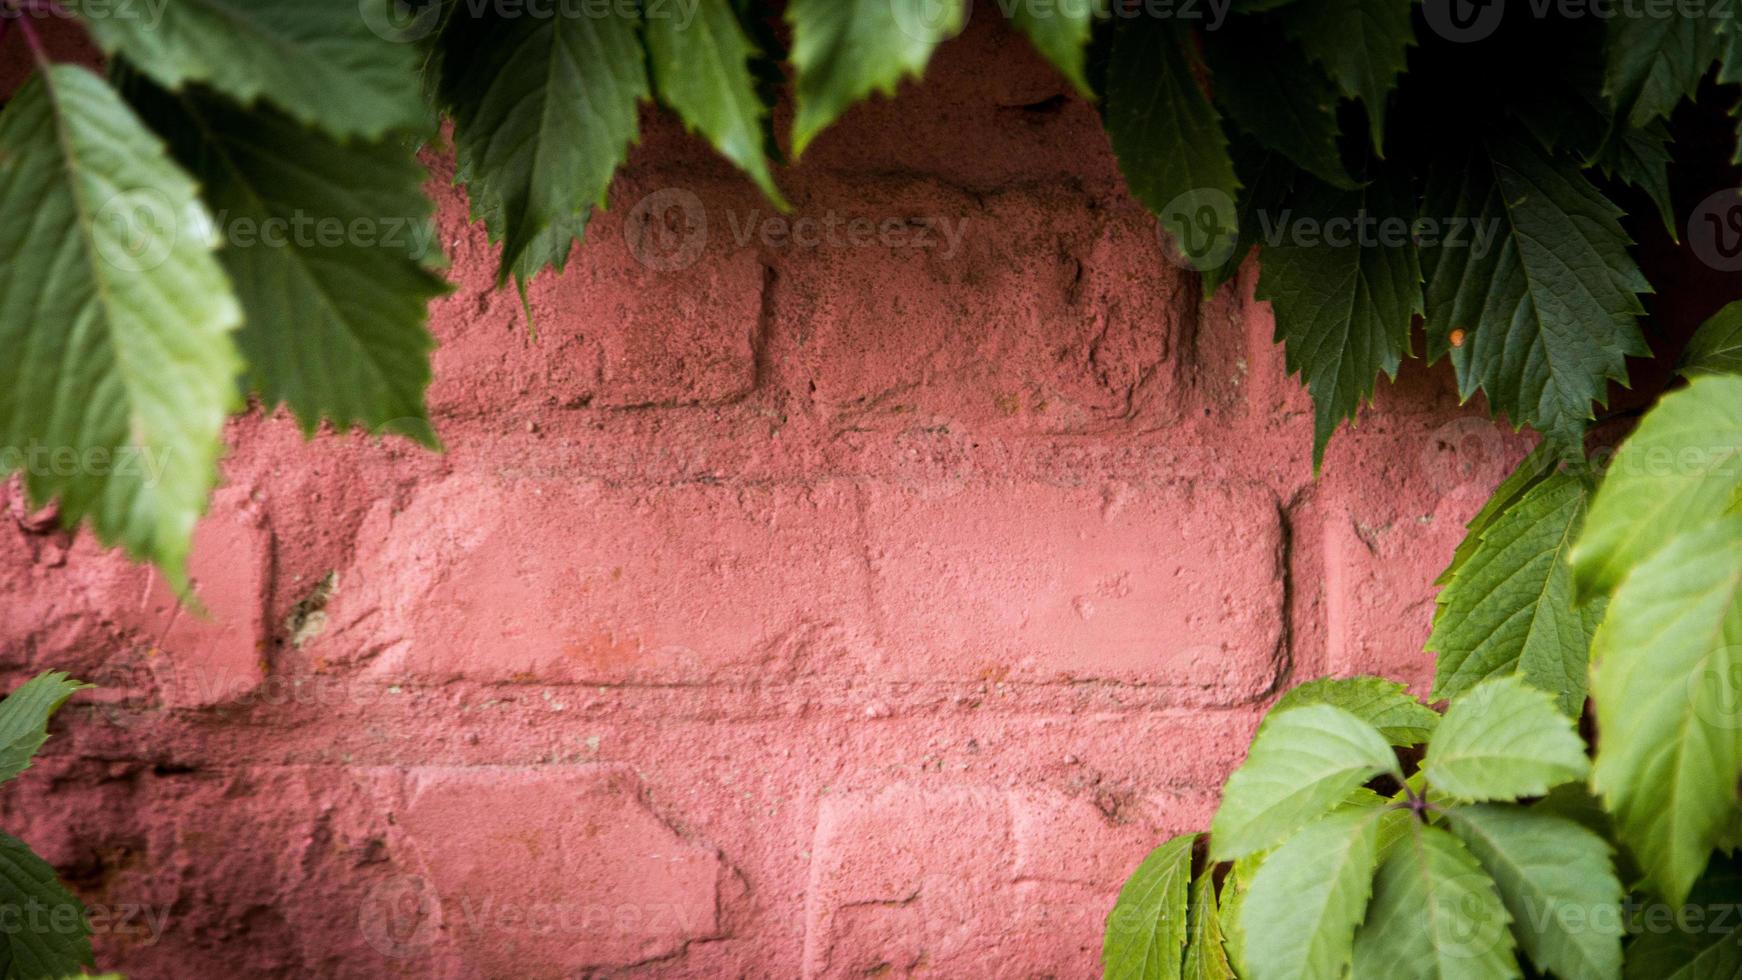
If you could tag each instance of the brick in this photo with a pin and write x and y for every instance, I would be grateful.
(1036, 316)
(208, 656)
(1383, 550)
(553, 581)
(555, 872)
(1175, 586)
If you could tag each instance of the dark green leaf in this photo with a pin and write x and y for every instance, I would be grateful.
(1656, 61)
(333, 64)
(1059, 31)
(1544, 302)
(1344, 301)
(328, 244)
(1716, 348)
(544, 111)
(48, 935)
(1268, 87)
(1205, 958)
(1362, 43)
(1169, 139)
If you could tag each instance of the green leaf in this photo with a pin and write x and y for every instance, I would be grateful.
(1146, 930)
(1557, 882)
(1679, 946)
(49, 936)
(24, 718)
(1302, 762)
(1641, 158)
(1384, 704)
(1268, 87)
(844, 50)
(1205, 957)
(702, 71)
(318, 60)
(1266, 185)
(1060, 32)
(1668, 683)
(328, 244)
(1547, 307)
(1656, 61)
(544, 110)
(1677, 471)
(1502, 740)
(1235, 885)
(1510, 609)
(1300, 913)
(1434, 914)
(1169, 140)
(1362, 43)
(115, 318)
(1716, 348)
(1533, 469)
(1343, 301)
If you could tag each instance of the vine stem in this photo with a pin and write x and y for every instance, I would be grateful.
(35, 42)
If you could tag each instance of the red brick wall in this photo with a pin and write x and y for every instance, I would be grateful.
(785, 607)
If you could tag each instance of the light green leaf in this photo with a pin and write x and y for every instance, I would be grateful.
(1362, 43)
(1059, 31)
(1510, 608)
(115, 319)
(52, 938)
(702, 70)
(1434, 915)
(1343, 303)
(1235, 885)
(1146, 931)
(328, 244)
(1303, 762)
(1716, 348)
(1668, 687)
(1533, 469)
(1557, 882)
(1284, 102)
(24, 718)
(1384, 704)
(1169, 139)
(544, 110)
(1300, 912)
(1656, 61)
(1677, 471)
(319, 60)
(1205, 957)
(1540, 283)
(1501, 740)
(844, 50)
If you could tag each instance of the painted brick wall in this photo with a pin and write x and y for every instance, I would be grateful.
(867, 596)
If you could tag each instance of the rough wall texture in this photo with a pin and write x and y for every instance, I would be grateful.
(814, 603)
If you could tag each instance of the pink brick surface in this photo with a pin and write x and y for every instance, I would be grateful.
(788, 604)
